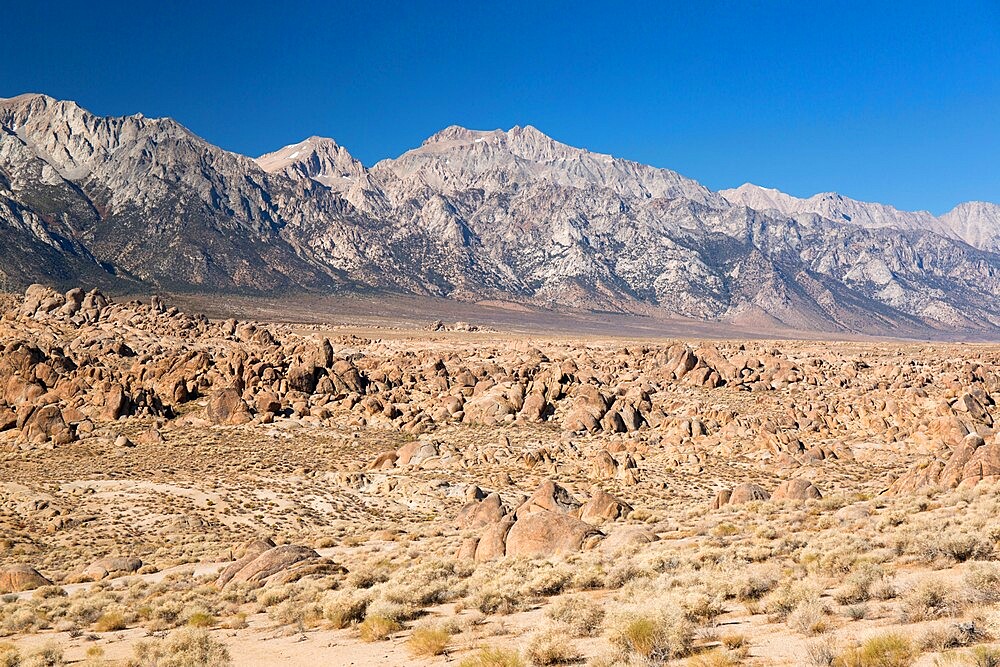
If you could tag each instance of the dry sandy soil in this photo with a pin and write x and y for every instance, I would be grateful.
(179, 490)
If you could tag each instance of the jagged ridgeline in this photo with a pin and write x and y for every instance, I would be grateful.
(136, 202)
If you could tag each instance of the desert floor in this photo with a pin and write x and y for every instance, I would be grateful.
(179, 490)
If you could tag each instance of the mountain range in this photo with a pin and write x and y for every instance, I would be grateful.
(134, 202)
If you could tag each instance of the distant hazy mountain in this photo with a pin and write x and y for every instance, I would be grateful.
(474, 215)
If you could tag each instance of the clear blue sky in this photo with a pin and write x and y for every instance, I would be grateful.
(888, 101)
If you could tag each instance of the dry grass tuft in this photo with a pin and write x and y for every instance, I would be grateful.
(652, 634)
(110, 622)
(376, 628)
(428, 641)
(552, 646)
(493, 657)
(186, 647)
(583, 617)
(888, 650)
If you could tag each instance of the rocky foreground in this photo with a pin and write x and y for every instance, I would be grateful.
(350, 497)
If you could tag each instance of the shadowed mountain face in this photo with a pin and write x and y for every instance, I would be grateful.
(473, 215)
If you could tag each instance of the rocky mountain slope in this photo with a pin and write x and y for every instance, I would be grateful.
(513, 216)
(976, 223)
(146, 200)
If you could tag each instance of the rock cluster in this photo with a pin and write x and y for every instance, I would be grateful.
(551, 522)
(263, 563)
(969, 463)
(791, 489)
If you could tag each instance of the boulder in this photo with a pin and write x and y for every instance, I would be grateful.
(384, 461)
(721, 498)
(983, 466)
(627, 537)
(41, 299)
(468, 549)
(603, 507)
(535, 408)
(796, 489)
(543, 534)
(479, 513)
(117, 403)
(302, 377)
(550, 497)
(415, 452)
(114, 566)
(151, 436)
(47, 423)
(747, 492)
(589, 406)
(495, 405)
(267, 401)
(226, 406)
(954, 470)
(603, 465)
(272, 562)
(971, 462)
(244, 554)
(742, 493)
(493, 542)
(74, 300)
(17, 578)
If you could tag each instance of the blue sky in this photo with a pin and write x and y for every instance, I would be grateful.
(888, 101)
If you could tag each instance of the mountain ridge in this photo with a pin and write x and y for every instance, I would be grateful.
(974, 222)
(473, 215)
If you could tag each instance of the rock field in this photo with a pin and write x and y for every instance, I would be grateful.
(266, 493)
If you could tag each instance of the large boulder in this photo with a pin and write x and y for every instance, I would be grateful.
(40, 299)
(627, 537)
(535, 407)
(17, 578)
(549, 497)
(953, 472)
(796, 489)
(226, 406)
(493, 542)
(721, 498)
(495, 406)
(112, 566)
(603, 507)
(479, 513)
(983, 465)
(246, 552)
(603, 465)
(302, 377)
(384, 461)
(267, 401)
(117, 403)
(742, 493)
(348, 378)
(589, 406)
(747, 492)
(273, 562)
(74, 300)
(46, 423)
(416, 452)
(543, 534)
(970, 462)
